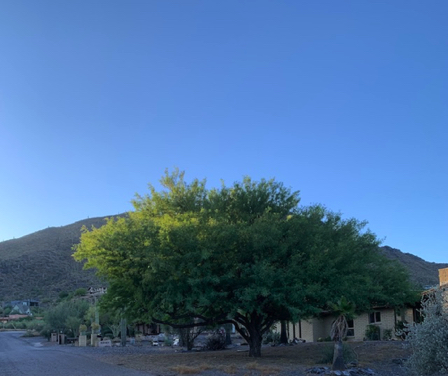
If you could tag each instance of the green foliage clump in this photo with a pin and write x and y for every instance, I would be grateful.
(429, 339)
(20, 324)
(82, 329)
(35, 325)
(66, 317)
(63, 295)
(10, 325)
(7, 310)
(372, 332)
(387, 335)
(80, 292)
(271, 337)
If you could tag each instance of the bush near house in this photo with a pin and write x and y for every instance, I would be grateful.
(373, 333)
(429, 339)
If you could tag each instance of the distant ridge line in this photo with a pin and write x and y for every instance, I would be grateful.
(41, 265)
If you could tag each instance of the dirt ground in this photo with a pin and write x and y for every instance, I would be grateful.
(383, 358)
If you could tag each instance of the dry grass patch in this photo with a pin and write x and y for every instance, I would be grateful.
(274, 361)
(187, 370)
(263, 368)
(230, 369)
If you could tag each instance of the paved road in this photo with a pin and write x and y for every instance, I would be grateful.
(19, 356)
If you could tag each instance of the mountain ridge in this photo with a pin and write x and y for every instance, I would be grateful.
(40, 265)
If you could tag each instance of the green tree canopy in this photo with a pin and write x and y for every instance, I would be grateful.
(246, 254)
(66, 317)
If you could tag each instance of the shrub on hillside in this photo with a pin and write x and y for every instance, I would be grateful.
(429, 339)
(81, 292)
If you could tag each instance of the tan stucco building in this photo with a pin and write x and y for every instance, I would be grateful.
(385, 318)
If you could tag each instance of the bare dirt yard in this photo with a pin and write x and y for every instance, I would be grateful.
(383, 358)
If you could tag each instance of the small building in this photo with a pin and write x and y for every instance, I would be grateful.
(27, 303)
(21, 310)
(385, 318)
(443, 277)
(22, 307)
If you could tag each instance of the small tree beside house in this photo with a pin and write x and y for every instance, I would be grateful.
(343, 310)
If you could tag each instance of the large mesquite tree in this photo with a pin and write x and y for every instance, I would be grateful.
(245, 254)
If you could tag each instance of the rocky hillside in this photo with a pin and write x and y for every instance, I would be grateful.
(424, 273)
(40, 266)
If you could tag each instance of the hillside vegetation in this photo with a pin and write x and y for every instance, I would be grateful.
(423, 273)
(40, 265)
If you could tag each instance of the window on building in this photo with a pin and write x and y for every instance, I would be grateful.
(374, 317)
(350, 328)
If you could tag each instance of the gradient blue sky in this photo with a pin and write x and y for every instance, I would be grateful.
(345, 101)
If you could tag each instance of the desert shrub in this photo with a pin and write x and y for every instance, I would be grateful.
(372, 333)
(328, 353)
(187, 336)
(65, 317)
(401, 329)
(216, 341)
(271, 337)
(35, 325)
(30, 333)
(106, 332)
(81, 292)
(429, 339)
(82, 329)
(7, 310)
(20, 325)
(63, 294)
(168, 341)
(387, 334)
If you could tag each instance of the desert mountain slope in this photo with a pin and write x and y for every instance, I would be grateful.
(40, 265)
(424, 273)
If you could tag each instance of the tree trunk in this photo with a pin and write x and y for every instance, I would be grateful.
(251, 329)
(338, 357)
(255, 347)
(228, 328)
(181, 337)
(283, 334)
(255, 340)
(123, 332)
(187, 337)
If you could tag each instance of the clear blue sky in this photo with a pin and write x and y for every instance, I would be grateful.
(346, 101)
